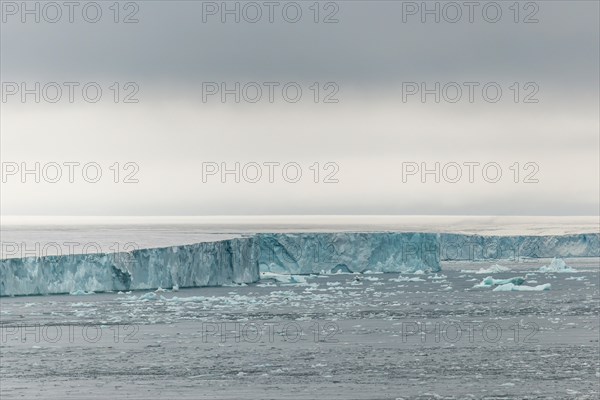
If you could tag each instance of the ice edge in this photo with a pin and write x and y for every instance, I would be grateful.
(241, 260)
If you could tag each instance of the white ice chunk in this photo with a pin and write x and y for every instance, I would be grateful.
(494, 269)
(557, 265)
(511, 287)
(406, 279)
(489, 282)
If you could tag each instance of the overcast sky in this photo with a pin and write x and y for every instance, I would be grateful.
(365, 140)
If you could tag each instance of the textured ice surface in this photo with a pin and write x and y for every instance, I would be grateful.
(306, 253)
(489, 281)
(494, 269)
(406, 279)
(201, 264)
(511, 287)
(239, 260)
(476, 247)
(282, 278)
(557, 265)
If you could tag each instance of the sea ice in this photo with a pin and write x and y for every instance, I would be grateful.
(489, 281)
(557, 265)
(406, 279)
(494, 269)
(511, 287)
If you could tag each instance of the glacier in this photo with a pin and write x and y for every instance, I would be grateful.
(241, 260)
(314, 253)
(201, 264)
(460, 247)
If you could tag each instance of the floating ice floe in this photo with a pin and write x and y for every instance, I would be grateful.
(511, 287)
(191, 299)
(557, 265)
(148, 296)
(283, 278)
(371, 278)
(437, 277)
(406, 279)
(489, 282)
(266, 284)
(494, 269)
(80, 293)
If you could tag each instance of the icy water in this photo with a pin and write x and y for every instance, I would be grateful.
(328, 337)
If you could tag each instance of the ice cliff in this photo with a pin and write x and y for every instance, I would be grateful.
(305, 253)
(201, 264)
(454, 247)
(240, 260)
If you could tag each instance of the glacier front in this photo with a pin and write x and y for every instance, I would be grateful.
(201, 264)
(306, 253)
(240, 260)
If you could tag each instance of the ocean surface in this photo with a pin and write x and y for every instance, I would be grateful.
(445, 335)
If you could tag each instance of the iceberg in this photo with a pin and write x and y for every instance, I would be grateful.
(557, 265)
(494, 269)
(489, 281)
(80, 293)
(283, 278)
(510, 287)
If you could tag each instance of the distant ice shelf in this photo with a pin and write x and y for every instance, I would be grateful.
(240, 260)
(194, 265)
